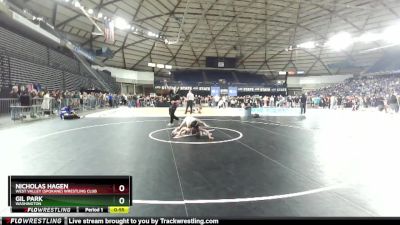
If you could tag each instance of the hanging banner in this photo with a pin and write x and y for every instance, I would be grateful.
(215, 91)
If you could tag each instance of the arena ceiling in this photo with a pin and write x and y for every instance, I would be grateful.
(257, 32)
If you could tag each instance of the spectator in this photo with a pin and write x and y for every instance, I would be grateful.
(46, 103)
(393, 102)
(303, 103)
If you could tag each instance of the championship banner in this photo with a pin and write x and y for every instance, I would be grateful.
(232, 91)
(215, 91)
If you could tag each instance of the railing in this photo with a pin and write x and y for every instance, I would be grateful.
(22, 112)
(35, 109)
(5, 104)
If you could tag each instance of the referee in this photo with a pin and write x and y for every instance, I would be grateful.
(190, 99)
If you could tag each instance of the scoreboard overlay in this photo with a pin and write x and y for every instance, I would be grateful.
(69, 194)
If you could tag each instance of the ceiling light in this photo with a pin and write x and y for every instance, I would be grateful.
(105, 18)
(151, 64)
(340, 41)
(120, 23)
(151, 34)
(66, 0)
(168, 67)
(307, 45)
(161, 66)
(99, 15)
(90, 11)
(77, 4)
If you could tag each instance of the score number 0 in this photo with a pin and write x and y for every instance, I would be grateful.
(121, 200)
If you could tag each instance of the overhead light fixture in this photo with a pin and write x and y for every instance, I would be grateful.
(161, 66)
(307, 45)
(90, 11)
(168, 67)
(77, 4)
(105, 18)
(66, 0)
(151, 34)
(151, 64)
(340, 41)
(120, 23)
(99, 15)
(169, 72)
(282, 72)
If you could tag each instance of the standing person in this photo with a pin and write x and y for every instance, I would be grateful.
(216, 100)
(198, 104)
(394, 105)
(333, 102)
(46, 103)
(189, 103)
(265, 99)
(271, 101)
(339, 101)
(303, 103)
(174, 102)
(110, 100)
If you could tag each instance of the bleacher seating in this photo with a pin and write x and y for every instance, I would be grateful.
(21, 46)
(214, 76)
(31, 62)
(188, 76)
(25, 72)
(106, 76)
(245, 77)
(75, 82)
(63, 62)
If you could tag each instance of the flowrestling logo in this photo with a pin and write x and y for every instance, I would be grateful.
(33, 220)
